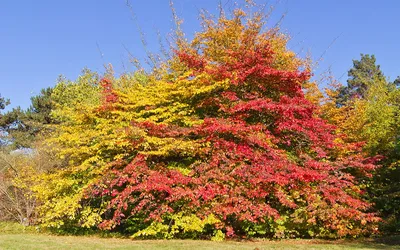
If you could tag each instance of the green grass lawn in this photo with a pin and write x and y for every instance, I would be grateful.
(43, 241)
(15, 236)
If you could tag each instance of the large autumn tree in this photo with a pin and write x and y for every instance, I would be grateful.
(219, 140)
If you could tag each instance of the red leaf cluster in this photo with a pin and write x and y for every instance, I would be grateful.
(109, 95)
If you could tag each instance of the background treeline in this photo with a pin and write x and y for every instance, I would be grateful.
(227, 136)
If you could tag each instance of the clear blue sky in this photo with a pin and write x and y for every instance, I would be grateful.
(41, 39)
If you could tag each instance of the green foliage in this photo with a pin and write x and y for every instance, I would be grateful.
(22, 127)
(381, 112)
(367, 110)
(68, 95)
(14, 132)
(218, 236)
(3, 102)
(181, 226)
(7, 227)
(41, 107)
(364, 74)
(386, 193)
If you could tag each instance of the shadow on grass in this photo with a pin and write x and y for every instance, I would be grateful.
(393, 240)
(379, 242)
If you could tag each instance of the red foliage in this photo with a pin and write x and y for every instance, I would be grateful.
(109, 96)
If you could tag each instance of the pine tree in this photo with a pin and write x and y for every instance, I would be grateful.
(362, 76)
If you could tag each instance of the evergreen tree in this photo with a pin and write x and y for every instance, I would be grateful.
(3, 102)
(20, 127)
(364, 74)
